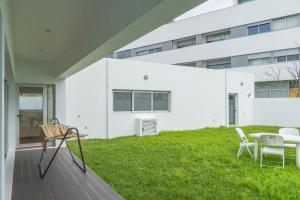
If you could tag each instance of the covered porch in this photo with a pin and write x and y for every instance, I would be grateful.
(41, 44)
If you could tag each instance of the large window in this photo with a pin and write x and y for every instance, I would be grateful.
(122, 101)
(286, 22)
(287, 58)
(260, 61)
(141, 101)
(243, 1)
(184, 42)
(145, 52)
(261, 28)
(218, 36)
(273, 89)
(218, 64)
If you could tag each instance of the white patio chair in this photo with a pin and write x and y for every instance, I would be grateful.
(272, 144)
(244, 143)
(289, 131)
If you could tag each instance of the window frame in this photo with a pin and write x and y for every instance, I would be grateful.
(152, 101)
(121, 91)
(175, 42)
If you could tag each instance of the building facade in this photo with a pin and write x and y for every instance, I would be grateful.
(256, 36)
(176, 97)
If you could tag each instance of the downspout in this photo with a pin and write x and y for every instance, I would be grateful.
(226, 99)
(107, 97)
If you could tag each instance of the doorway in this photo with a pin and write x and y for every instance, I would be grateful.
(233, 99)
(35, 108)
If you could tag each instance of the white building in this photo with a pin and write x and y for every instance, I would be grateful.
(106, 98)
(41, 44)
(254, 36)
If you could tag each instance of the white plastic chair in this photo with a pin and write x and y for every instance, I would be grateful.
(289, 131)
(244, 143)
(271, 144)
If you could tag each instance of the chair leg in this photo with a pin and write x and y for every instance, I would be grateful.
(239, 152)
(83, 167)
(261, 158)
(283, 161)
(42, 172)
(249, 151)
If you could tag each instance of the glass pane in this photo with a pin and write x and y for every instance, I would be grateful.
(142, 101)
(244, 1)
(252, 30)
(155, 50)
(186, 42)
(279, 93)
(161, 101)
(263, 28)
(292, 21)
(50, 102)
(122, 101)
(280, 59)
(279, 24)
(31, 114)
(293, 57)
(141, 53)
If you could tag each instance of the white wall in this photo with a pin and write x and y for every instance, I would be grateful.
(197, 96)
(271, 41)
(260, 71)
(214, 21)
(277, 112)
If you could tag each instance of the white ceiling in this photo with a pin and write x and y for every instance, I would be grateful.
(84, 31)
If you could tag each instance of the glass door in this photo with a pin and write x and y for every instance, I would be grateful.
(32, 113)
(232, 109)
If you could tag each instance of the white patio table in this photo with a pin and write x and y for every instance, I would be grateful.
(286, 138)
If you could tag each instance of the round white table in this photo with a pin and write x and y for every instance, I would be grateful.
(286, 138)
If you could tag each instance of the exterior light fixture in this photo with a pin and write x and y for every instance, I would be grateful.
(146, 77)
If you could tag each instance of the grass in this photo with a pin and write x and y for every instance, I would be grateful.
(198, 164)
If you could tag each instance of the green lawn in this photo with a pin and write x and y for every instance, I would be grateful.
(198, 164)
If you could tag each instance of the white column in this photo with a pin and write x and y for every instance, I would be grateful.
(2, 113)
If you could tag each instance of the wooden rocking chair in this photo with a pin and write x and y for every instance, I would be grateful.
(55, 130)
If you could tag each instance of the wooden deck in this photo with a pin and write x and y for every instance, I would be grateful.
(64, 180)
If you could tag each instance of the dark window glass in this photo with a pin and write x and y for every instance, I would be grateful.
(293, 57)
(155, 50)
(281, 59)
(263, 28)
(142, 101)
(252, 30)
(122, 101)
(160, 101)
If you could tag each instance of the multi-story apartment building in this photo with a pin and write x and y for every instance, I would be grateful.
(256, 36)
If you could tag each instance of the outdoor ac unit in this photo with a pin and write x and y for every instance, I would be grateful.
(145, 126)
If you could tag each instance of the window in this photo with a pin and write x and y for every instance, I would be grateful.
(260, 61)
(274, 89)
(287, 58)
(141, 101)
(262, 28)
(122, 101)
(292, 21)
(286, 22)
(155, 50)
(293, 57)
(218, 37)
(160, 101)
(244, 1)
(279, 24)
(190, 64)
(218, 64)
(280, 59)
(145, 52)
(185, 42)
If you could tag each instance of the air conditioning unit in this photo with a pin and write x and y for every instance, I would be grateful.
(145, 126)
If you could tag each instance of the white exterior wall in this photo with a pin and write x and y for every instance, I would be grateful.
(271, 41)
(260, 71)
(277, 112)
(197, 97)
(221, 19)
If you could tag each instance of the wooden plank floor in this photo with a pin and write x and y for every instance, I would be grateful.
(64, 180)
